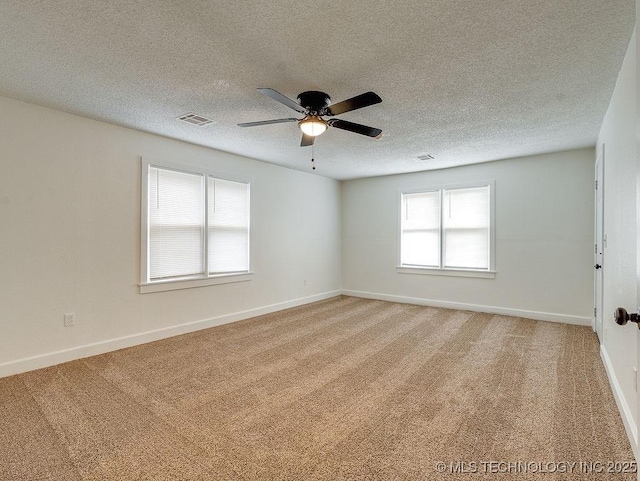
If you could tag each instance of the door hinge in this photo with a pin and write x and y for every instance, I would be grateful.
(595, 251)
(596, 185)
(595, 312)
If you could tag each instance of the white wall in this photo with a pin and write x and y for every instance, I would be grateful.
(544, 239)
(70, 239)
(619, 267)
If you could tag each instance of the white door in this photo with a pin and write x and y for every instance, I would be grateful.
(598, 260)
(637, 199)
(637, 308)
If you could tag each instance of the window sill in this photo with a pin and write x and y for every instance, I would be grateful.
(160, 286)
(434, 271)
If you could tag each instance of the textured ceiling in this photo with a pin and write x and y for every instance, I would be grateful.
(465, 81)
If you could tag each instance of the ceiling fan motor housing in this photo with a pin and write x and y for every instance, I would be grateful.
(315, 102)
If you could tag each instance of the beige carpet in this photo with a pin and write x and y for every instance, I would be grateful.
(340, 389)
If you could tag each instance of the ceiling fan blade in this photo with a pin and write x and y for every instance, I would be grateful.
(307, 140)
(292, 104)
(356, 128)
(266, 122)
(357, 102)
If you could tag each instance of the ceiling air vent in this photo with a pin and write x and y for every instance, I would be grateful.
(194, 119)
(425, 157)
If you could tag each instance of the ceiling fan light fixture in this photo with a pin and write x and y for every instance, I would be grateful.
(312, 125)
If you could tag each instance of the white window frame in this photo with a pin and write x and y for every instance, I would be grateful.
(489, 273)
(147, 286)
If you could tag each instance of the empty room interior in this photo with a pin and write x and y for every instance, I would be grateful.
(319, 240)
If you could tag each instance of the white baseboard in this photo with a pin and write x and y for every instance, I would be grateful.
(506, 311)
(57, 357)
(623, 406)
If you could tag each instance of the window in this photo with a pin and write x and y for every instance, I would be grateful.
(448, 229)
(195, 228)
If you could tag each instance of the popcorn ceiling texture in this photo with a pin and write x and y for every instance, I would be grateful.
(346, 388)
(466, 81)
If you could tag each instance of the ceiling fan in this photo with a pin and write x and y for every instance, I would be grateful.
(315, 105)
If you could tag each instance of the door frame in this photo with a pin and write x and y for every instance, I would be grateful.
(599, 245)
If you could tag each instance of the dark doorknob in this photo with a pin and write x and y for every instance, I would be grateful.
(597, 266)
(621, 316)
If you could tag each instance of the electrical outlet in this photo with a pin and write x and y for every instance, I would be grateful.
(69, 319)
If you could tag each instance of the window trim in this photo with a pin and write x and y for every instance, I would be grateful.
(489, 273)
(147, 286)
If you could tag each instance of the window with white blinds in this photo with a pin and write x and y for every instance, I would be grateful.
(466, 228)
(421, 229)
(449, 228)
(176, 224)
(197, 226)
(228, 226)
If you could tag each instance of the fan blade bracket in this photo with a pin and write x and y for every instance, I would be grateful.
(278, 97)
(359, 101)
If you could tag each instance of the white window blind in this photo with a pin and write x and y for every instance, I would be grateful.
(197, 226)
(228, 226)
(466, 228)
(176, 224)
(447, 228)
(421, 229)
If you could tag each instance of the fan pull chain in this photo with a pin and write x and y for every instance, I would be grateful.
(313, 164)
